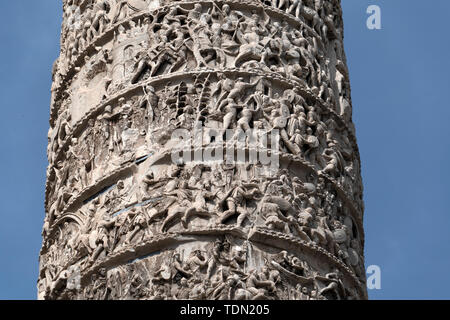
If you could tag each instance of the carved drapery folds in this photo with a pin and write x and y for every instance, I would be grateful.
(126, 222)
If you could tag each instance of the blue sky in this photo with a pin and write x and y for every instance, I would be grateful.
(400, 85)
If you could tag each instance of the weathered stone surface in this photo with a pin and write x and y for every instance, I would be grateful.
(124, 221)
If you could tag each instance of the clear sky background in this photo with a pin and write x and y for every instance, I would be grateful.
(400, 89)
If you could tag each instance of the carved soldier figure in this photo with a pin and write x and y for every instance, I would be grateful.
(335, 285)
(150, 100)
(184, 290)
(236, 200)
(219, 258)
(139, 223)
(198, 207)
(260, 289)
(196, 262)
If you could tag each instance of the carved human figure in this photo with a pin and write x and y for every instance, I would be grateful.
(235, 201)
(198, 206)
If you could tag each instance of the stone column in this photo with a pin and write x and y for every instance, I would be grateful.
(140, 202)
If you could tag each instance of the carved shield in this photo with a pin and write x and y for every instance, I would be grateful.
(284, 111)
(353, 257)
(280, 122)
(340, 236)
